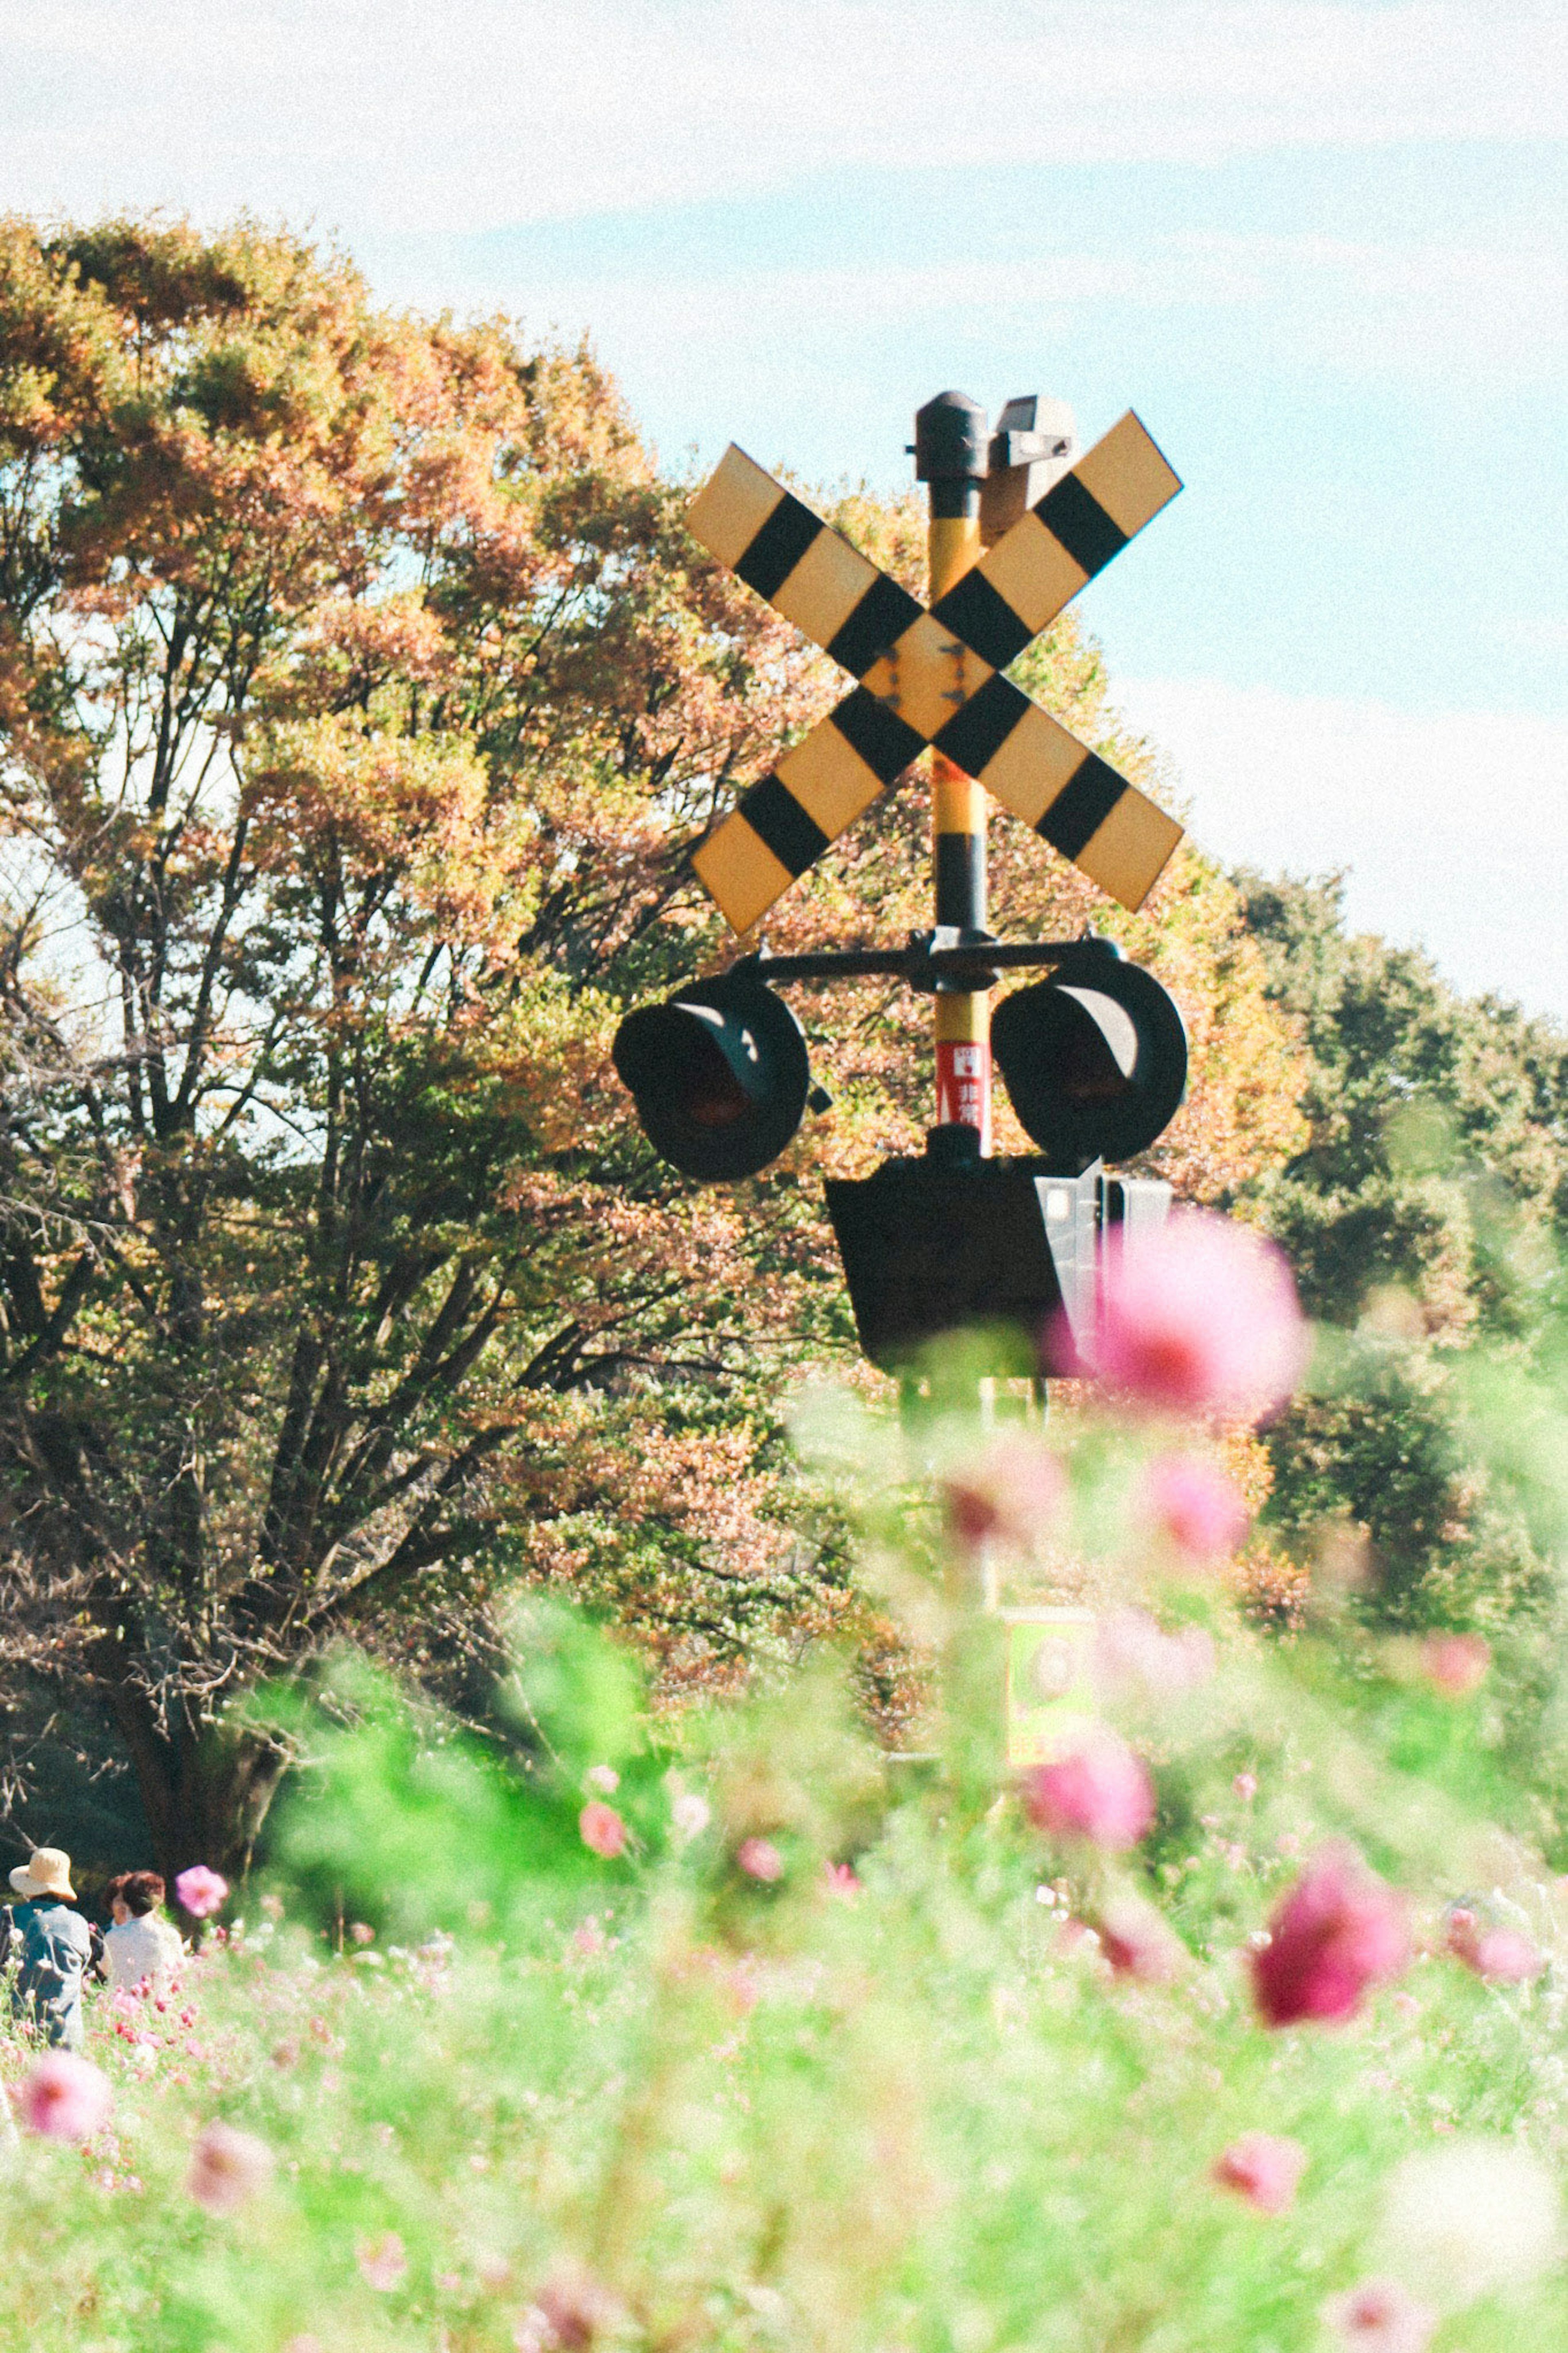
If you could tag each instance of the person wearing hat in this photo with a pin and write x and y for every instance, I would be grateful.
(53, 1946)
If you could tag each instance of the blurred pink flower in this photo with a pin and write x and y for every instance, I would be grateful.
(840, 1880)
(1502, 1956)
(1193, 1506)
(566, 2315)
(1137, 1940)
(383, 2263)
(303, 2344)
(1012, 1496)
(602, 1829)
(1201, 1318)
(201, 1891)
(1101, 1792)
(227, 2168)
(1134, 1659)
(1246, 1787)
(62, 2097)
(588, 1938)
(1262, 2167)
(603, 1778)
(1338, 1930)
(1379, 2316)
(1456, 1664)
(759, 1858)
(362, 1933)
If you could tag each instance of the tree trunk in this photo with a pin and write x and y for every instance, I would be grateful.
(206, 1788)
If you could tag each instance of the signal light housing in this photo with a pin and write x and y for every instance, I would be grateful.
(1094, 1059)
(718, 1074)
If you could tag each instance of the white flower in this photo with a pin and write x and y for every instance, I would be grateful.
(603, 1778)
(690, 1814)
(1471, 2217)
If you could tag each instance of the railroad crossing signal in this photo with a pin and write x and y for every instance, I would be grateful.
(1094, 1055)
(934, 677)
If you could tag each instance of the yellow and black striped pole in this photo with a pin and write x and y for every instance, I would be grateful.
(951, 458)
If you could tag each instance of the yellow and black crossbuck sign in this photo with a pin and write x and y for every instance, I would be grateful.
(934, 677)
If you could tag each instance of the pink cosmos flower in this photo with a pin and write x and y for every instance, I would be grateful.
(1137, 1940)
(1264, 2169)
(841, 1880)
(1194, 1506)
(1133, 1658)
(602, 1829)
(1012, 1496)
(383, 2263)
(1456, 1664)
(1501, 1956)
(1246, 1787)
(227, 2168)
(362, 1933)
(759, 1858)
(201, 1891)
(1100, 1792)
(1379, 2316)
(1338, 1930)
(1203, 1317)
(62, 2097)
(566, 2317)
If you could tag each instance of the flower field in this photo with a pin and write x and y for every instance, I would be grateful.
(1236, 2026)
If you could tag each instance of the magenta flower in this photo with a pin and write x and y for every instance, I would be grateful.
(1191, 1504)
(1203, 1317)
(383, 2263)
(201, 1891)
(1456, 1664)
(1338, 1930)
(228, 2168)
(1137, 1940)
(62, 2097)
(1100, 1792)
(1012, 1496)
(1379, 2316)
(759, 1858)
(602, 1829)
(1264, 2169)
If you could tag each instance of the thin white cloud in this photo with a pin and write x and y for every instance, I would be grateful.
(1454, 827)
(407, 116)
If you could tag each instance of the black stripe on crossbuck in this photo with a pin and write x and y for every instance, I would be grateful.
(778, 547)
(885, 742)
(982, 618)
(1081, 806)
(883, 613)
(1075, 517)
(777, 818)
(976, 734)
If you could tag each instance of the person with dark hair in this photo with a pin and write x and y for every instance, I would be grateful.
(52, 1945)
(142, 1947)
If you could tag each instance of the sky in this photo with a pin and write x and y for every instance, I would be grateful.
(1320, 246)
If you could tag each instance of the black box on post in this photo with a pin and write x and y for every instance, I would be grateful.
(997, 1247)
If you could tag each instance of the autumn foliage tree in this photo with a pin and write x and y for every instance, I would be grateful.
(361, 698)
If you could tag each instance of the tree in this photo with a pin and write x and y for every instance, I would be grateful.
(361, 695)
(1423, 1216)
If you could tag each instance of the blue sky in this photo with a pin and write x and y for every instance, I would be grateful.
(1322, 246)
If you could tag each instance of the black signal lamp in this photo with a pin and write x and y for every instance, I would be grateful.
(718, 1074)
(1095, 1059)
